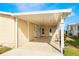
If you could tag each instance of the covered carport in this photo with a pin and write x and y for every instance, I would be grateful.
(54, 19)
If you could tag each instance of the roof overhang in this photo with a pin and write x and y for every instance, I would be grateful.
(45, 12)
(71, 24)
(49, 17)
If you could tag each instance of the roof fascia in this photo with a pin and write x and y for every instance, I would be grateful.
(38, 12)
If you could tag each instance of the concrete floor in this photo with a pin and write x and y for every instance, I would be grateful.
(45, 39)
(34, 49)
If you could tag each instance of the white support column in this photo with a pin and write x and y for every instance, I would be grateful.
(62, 35)
(16, 32)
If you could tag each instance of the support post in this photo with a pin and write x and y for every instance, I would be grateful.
(16, 32)
(28, 30)
(62, 35)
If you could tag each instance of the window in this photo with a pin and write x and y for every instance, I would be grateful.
(71, 28)
(42, 30)
(75, 27)
(68, 27)
(50, 30)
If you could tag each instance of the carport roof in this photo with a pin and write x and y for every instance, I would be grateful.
(38, 12)
(45, 11)
(49, 17)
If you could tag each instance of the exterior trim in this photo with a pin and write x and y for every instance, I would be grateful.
(38, 12)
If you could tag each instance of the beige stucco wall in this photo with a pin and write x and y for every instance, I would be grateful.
(55, 40)
(31, 30)
(22, 32)
(7, 31)
(34, 33)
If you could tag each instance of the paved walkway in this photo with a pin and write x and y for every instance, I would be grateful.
(34, 49)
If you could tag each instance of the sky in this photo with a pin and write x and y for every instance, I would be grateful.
(30, 7)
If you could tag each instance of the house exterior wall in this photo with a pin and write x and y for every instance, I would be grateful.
(35, 31)
(31, 31)
(73, 31)
(7, 31)
(23, 36)
(77, 29)
(25, 31)
(55, 40)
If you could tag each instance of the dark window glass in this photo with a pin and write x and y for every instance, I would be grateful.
(78, 27)
(42, 30)
(50, 30)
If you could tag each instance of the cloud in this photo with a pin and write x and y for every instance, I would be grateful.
(29, 7)
(26, 7)
(72, 14)
(73, 11)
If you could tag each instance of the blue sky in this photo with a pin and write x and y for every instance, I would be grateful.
(29, 7)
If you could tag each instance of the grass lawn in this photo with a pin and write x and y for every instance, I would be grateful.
(71, 47)
(4, 49)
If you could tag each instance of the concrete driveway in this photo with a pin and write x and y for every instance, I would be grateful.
(34, 49)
